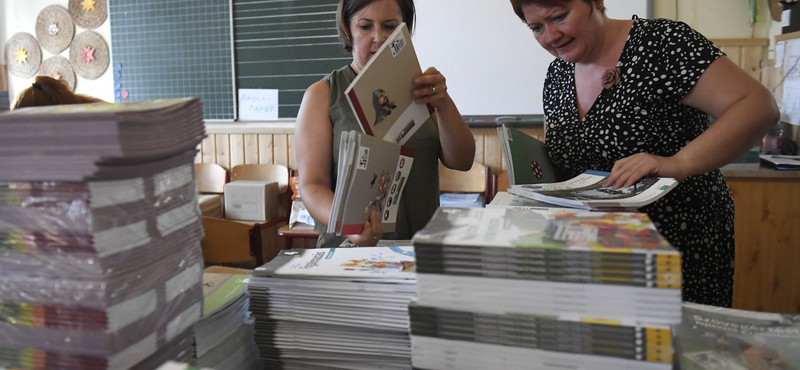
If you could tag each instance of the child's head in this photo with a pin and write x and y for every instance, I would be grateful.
(49, 91)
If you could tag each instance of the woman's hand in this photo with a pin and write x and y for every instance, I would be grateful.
(373, 229)
(431, 88)
(629, 170)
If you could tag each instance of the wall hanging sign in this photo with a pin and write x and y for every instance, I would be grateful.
(23, 55)
(89, 55)
(88, 13)
(54, 29)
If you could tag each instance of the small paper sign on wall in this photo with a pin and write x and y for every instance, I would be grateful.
(258, 104)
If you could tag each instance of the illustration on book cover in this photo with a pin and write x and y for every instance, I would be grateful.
(382, 104)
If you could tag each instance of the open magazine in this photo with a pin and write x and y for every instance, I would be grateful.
(526, 157)
(713, 338)
(781, 162)
(371, 176)
(587, 191)
(382, 94)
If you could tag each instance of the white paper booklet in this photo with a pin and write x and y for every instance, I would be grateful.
(587, 191)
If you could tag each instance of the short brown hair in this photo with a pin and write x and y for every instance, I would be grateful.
(517, 5)
(347, 8)
(49, 91)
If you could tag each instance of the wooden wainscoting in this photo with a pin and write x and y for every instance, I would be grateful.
(231, 144)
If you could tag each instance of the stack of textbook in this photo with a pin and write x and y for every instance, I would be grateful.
(98, 273)
(101, 140)
(507, 288)
(336, 308)
(224, 336)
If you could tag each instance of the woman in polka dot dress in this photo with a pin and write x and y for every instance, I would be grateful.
(633, 97)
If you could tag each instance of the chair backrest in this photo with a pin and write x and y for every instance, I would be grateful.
(210, 177)
(476, 180)
(263, 172)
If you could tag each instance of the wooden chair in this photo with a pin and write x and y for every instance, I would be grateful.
(211, 179)
(477, 180)
(232, 242)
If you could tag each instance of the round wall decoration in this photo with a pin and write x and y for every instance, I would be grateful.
(23, 55)
(54, 29)
(88, 13)
(59, 68)
(88, 54)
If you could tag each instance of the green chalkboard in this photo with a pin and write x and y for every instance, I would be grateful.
(174, 48)
(286, 45)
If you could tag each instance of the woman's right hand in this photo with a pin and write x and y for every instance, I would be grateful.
(373, 230)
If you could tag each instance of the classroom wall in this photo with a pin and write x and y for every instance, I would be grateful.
(20, 16)
(717, 19)
(713, 18)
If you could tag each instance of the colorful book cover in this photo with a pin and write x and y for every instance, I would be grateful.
(713, 338)
(588, 191)
(562, 229)
(382, 94)
(526, 156)
(372, 182)
(395, 262)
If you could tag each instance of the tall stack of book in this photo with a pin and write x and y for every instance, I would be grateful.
(507, 288)
(334, 308)
(99, 269)
(224, 336)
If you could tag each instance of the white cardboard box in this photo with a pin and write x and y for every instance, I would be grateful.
(249, 200)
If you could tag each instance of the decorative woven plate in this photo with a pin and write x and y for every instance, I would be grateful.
(88, 54)
(54, 29)
(23, 55)
(88, 13)
(58, 67)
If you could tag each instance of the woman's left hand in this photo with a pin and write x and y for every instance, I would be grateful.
(431, 88)
(629, 170)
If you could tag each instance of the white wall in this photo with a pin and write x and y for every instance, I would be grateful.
(20, 16)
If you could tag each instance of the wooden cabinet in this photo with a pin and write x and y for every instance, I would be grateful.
(767, 231)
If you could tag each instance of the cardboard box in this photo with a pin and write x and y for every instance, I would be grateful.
(249, 200)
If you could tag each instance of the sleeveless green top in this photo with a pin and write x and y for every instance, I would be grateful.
(421, 193)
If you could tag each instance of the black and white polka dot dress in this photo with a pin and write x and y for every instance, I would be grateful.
(660, 64)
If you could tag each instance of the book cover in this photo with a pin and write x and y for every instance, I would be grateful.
(588, 191)
(526, 156)
(561, 229)
(395, 262)
(382, 94)
(713, 338)
(373, 177)
(504, 199)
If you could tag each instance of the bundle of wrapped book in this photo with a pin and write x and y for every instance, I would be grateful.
(224, 336)
(506, 288)
(722, 338)
(100, 262)
(334, 308)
